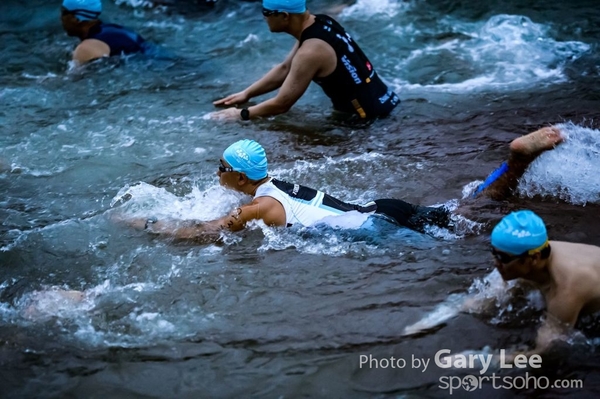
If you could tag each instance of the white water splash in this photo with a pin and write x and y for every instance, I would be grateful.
(135, 3)
(144, 200)
(316, 241)
(504, 53)
(369, 8)
(491, 289)
(570, 171)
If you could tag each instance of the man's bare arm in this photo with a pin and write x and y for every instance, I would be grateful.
(307, 63)
(272, 80)
(561, 316)
(196, 230)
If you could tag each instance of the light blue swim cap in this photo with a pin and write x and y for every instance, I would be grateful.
(520, 232)
(248, 157)
(84, 9)
(291, 6)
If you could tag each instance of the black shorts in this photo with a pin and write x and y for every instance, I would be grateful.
(413, 216)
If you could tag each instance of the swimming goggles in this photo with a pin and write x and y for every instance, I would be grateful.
(267, 13)
(223, 168)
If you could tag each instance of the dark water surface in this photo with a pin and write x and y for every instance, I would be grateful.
(281, 313)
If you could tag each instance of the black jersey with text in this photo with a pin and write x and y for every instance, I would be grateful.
(353, 86)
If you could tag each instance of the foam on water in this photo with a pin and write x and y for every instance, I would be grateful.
(369, 8)
(143, 200)
(570, 171)
(505, 53)
(374, 237)
(76, 312)
(135, 3)
(488, 294)
(316, 241)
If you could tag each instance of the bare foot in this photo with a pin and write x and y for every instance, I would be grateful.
(537, 142)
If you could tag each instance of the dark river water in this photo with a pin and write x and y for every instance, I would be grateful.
(283, 313)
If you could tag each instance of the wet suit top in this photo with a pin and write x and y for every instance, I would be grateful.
(353, 86)
(120, 40)
(307, 206)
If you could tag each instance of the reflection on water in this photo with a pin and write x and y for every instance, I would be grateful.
(279, 312)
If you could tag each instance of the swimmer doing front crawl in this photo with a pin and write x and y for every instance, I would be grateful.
(243, 168)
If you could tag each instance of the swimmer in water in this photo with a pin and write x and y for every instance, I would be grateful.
(323, 53)
(243, 168)
(98, 39)
(567, 274)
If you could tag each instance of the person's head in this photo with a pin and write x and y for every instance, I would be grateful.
(520, 244)
(243, 166)
(78, 15)
(278, 13)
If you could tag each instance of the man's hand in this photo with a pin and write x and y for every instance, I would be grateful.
(233, 99)
(229, 114)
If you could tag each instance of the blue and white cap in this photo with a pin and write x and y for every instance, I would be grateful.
(248, 157)
(84, 9)
(291, 6)
(520, 232)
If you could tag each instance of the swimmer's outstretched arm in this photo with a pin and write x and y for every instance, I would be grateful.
(446, 311)
(562, 313)
(209, 231)
(193, 230)
(272, 80)
(188, 230)
(306, 63)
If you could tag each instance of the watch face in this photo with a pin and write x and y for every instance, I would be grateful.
(245, 114)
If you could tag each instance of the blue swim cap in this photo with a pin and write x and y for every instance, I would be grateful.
(520, 232)
(84, 9)
(248, 157)
(291, 6)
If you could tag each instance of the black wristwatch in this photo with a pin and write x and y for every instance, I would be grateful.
(245, 114)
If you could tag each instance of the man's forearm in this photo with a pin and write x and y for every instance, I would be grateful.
(184, 230)
(268, 108)
(271, 81)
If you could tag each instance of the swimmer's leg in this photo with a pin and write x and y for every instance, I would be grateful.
(414, 217)
(523, 151)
